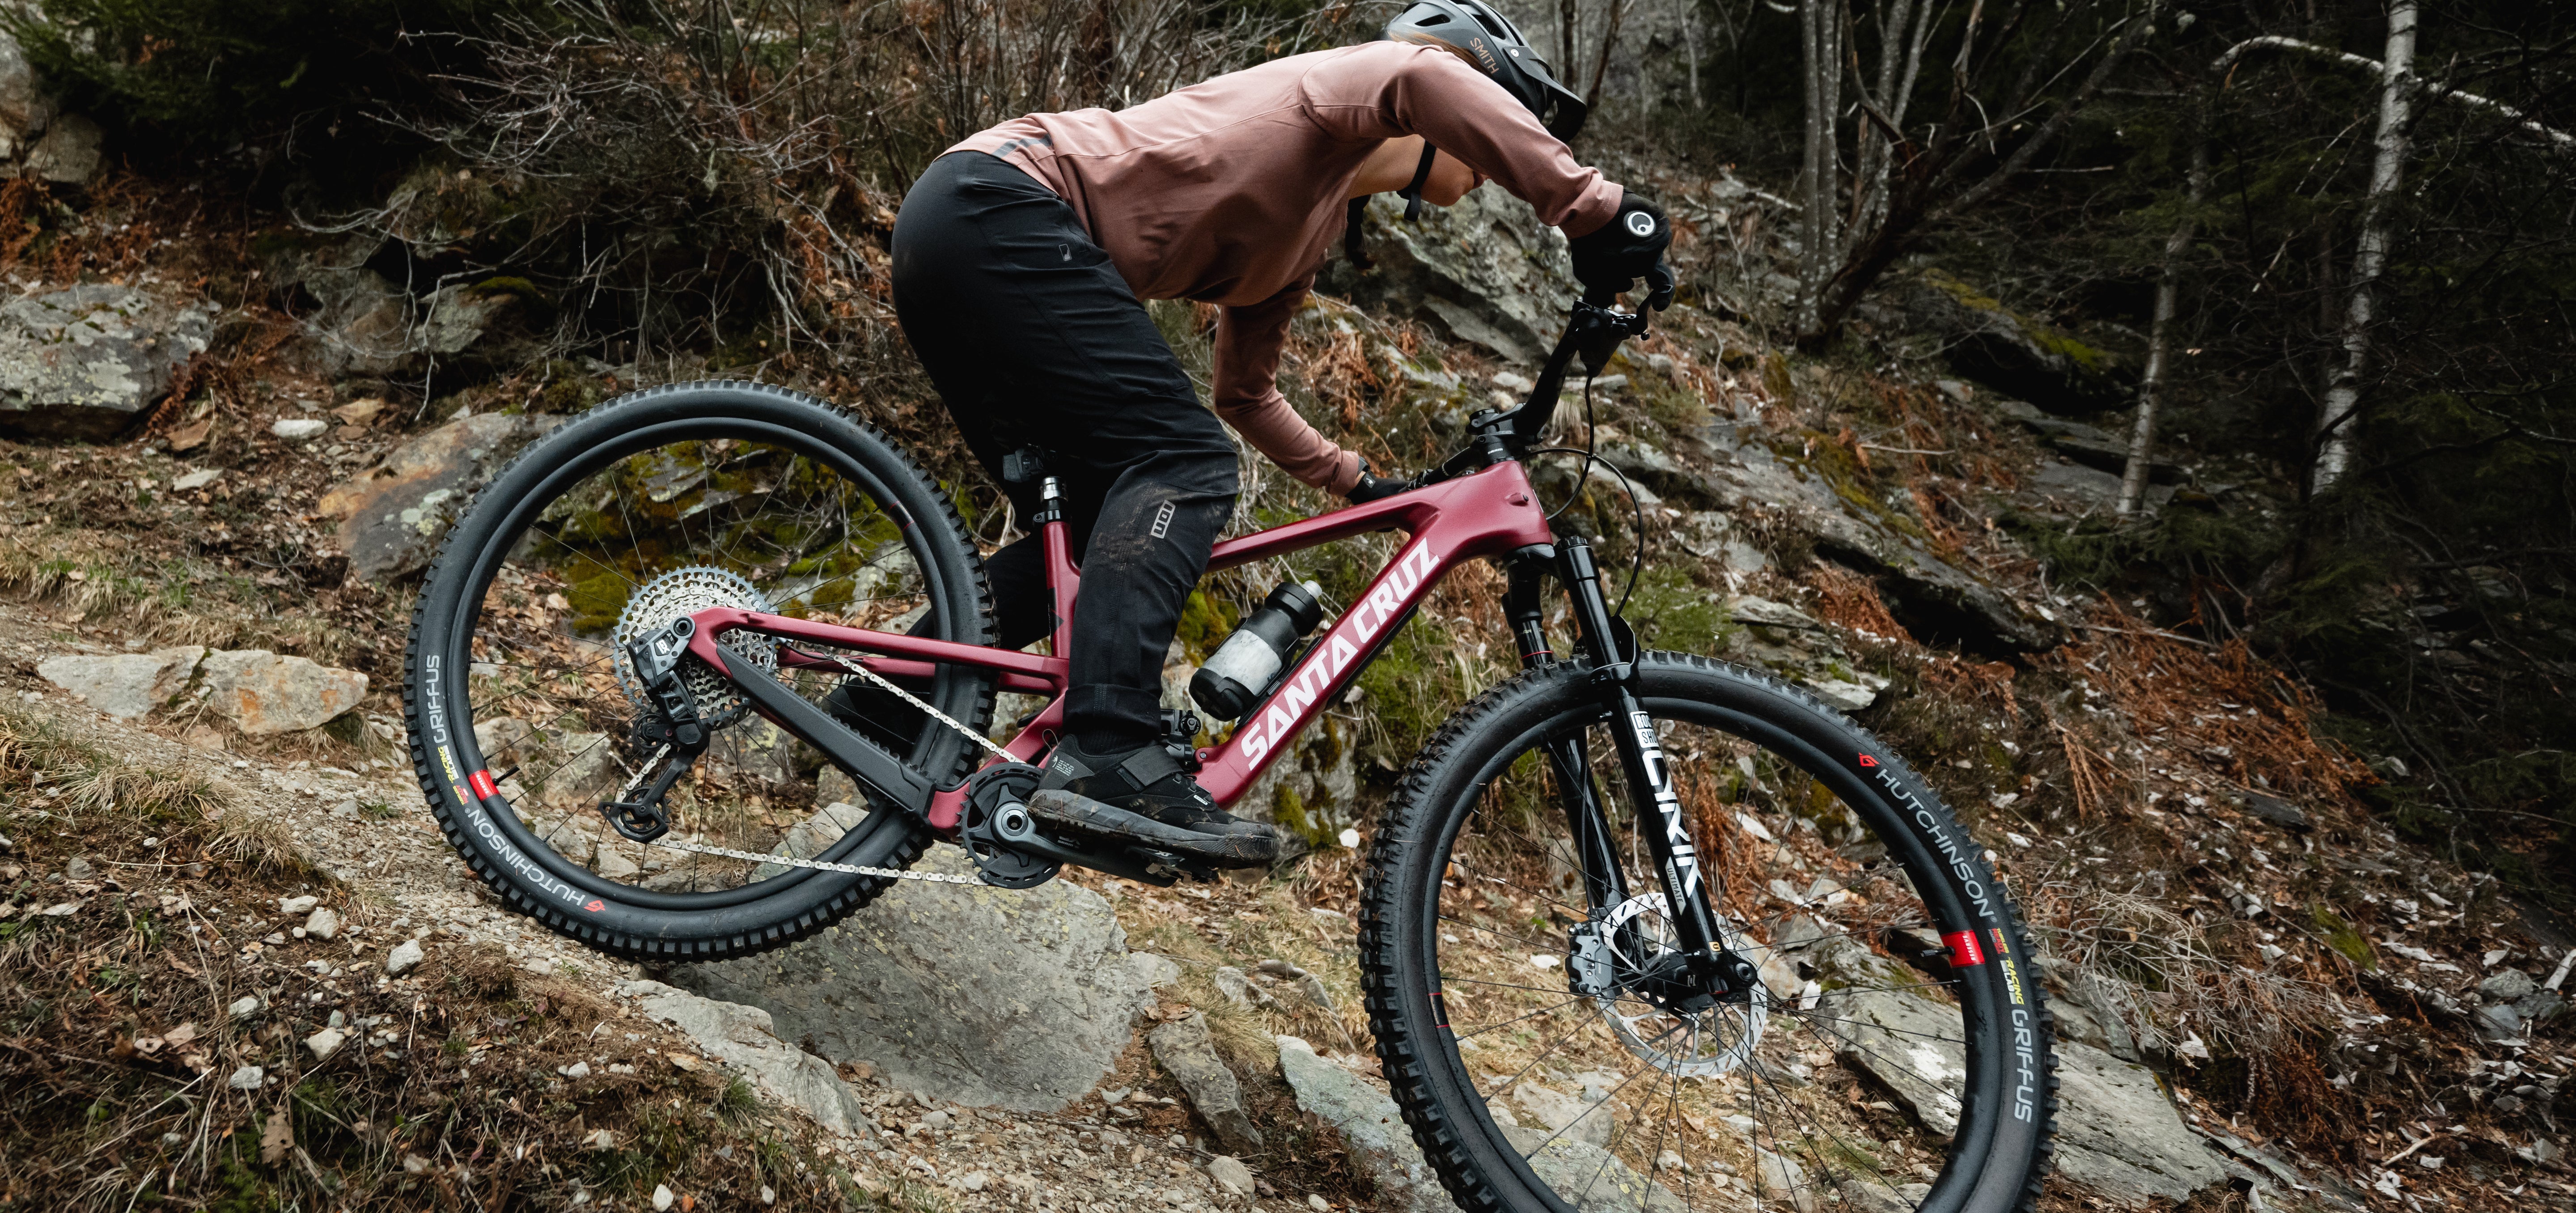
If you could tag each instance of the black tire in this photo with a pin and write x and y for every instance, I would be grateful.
(524, 515)
(1444, 910)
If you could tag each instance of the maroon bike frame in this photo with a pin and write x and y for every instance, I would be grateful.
(1490, 513)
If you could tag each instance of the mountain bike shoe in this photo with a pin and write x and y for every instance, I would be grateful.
(1145, 797)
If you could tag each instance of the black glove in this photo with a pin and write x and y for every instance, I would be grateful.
(1373, 486)
(1630, 246)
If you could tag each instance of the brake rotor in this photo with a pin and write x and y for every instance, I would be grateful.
(1691, 1044)
(687, 591)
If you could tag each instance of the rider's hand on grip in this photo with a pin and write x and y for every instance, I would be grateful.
(1631, 246)
(1373, 486)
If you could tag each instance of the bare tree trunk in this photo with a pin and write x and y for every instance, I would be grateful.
(2396, 105)
(2142, 437)
(1690, 45)
(1601, 63)
(1820, 29)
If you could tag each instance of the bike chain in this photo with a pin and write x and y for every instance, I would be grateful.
(818, 865)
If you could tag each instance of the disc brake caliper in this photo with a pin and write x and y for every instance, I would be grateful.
(682, 734)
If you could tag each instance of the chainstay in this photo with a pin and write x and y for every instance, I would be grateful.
(790, 861)
(863, 671)
(818, 865)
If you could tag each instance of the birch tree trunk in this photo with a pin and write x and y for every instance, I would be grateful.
(2388, 165)
(1820, 29)
(2142, 437)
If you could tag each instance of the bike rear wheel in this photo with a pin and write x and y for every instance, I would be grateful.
(1894, 1056)
(523, 706)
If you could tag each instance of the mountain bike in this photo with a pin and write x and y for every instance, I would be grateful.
(1642, 930)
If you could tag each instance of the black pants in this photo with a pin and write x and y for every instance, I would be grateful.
(1034, 340)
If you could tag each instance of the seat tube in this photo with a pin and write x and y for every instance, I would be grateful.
(1660, 815)
(1063, 581)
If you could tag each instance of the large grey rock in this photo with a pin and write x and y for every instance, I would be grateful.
(69, 151)
(1590, 1178)
(814, 835)
(392, 515)
(2116, 1131)
(1934, 598)
(2510, 985)
(25, 109)
(746, 1040)
(2059, 371)
(367, 324)
(84, 362)
(1789, 642)
(1184, 1050)
(2118, 1134)
(968, 993)
(124, 685)
(266, 693)
(1485, 272)
(1380, 1143)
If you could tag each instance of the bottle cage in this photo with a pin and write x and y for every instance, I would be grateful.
(1412, 195)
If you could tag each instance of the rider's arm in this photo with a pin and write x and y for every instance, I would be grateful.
(1388, 89)
(1248, 340)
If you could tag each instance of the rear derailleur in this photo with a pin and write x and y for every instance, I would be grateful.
(671, 732)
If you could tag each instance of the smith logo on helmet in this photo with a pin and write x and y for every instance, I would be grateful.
(1473, 31)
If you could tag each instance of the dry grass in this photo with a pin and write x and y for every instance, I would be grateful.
(2226, 705)
(116, 1045)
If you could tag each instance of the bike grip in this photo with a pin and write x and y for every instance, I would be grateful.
(1600, 296)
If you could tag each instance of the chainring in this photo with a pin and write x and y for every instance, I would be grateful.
(687, 591)
(986, 792)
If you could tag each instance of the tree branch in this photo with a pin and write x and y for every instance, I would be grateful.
(2232, 55)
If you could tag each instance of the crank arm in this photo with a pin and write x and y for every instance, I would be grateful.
(1016, 828)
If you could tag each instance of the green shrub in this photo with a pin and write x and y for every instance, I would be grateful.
(225, 69)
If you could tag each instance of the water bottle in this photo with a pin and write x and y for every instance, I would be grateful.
(1244, 668)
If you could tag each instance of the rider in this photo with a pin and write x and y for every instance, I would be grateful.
(1021, 258)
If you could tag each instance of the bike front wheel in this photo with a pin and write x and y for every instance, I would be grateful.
(1893, 1056)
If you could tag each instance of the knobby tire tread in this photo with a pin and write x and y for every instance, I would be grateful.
(950, 528)
(1406, 817)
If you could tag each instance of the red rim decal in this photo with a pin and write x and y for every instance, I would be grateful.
(483, 785)
(1963, 949)
(1867, 761)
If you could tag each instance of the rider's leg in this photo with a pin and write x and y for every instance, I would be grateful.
(1033, 339)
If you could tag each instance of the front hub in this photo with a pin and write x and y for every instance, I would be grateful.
(1685, 1013)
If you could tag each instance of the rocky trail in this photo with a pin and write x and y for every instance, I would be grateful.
(965, 1045)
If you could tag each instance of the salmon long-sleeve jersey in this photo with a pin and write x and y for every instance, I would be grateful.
(1233, 190)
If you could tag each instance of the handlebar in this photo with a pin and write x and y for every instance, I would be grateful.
(1593, 329)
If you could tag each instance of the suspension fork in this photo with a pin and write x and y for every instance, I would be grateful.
(1604, 885)
(1641, 758)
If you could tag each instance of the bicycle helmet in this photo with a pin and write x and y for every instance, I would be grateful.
(1473, 31)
